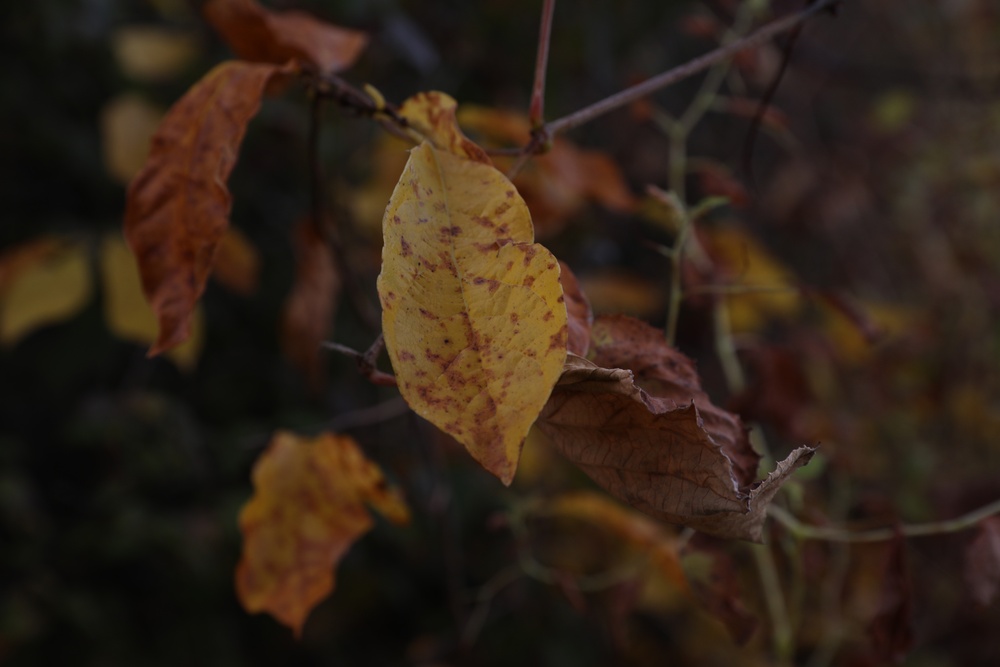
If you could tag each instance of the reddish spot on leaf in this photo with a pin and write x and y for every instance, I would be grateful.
(177, 208)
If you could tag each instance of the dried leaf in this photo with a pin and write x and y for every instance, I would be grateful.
(578, 311)
(982, 562)
(661, 370)
(308, 508)
(126, 312)
(432, 115)
(473, 312)
(178, 206)
(655, 454)
(41, 283)
(257, 34)
(308, 315)
(237, 263)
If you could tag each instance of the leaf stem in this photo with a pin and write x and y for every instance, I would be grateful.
(774, 598)
(681, 72)
(536, 112)
(805, 531)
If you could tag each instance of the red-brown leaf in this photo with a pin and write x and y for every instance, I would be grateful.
(257, 34)
(982, 562)
(580, 315)
(625, 342)
(654, 454)
(309, 310)
(178, 205)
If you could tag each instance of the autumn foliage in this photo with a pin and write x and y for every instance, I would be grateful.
(635, 471)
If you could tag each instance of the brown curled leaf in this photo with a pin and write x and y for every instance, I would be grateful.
(177, 208)
(655, 454)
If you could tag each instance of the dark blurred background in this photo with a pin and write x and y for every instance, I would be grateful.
(873, 181)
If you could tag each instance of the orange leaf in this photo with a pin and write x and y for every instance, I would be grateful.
(308, 508)
(257, 34)
(309, 309)
(178, 205)
(557, 184)
(654, 454)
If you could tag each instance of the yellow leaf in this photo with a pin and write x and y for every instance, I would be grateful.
(126, 311)
(308, 508)
(432, 115)
(150, 53)
(641, 533)
(46, 288)
(772, 288)
(128, 122)
(237, 263)
(473, 313)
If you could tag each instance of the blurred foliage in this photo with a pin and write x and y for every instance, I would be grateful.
(121, 477)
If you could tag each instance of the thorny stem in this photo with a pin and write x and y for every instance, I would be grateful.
(536, 112)
(681, 72)
(804, 531)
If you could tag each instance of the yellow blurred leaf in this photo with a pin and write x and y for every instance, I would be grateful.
(641, 533)
(151, 53)
(128, 123)
(45, 284)
(308, 508)
(615, 291)
(473, 313)
(771, 289)
(126, 311)
(237, 263)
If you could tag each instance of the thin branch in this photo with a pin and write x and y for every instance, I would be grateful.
(376, 414)
(367, 361)
(355, 295)
(536, 112)
(684, 71)
(804, 531)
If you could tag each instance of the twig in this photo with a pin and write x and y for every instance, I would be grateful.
(681, 72)
(484, 601)
(366, 361)
(536, 112)
(355, 295)
(774, 598)
(376, 414)
(804, 531)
